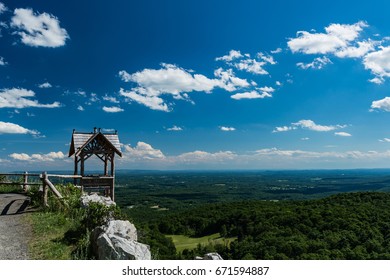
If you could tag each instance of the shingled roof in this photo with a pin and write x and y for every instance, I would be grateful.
(81, 139)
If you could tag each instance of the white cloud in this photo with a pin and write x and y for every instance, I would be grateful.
(226, 128)
(377, 80)
(80, 108)
(143, 151)
(267, 58)
(206, 157)
(229, 81)
(248, 64)
(146, 98)
(172, 80)
(112, 109)
(38, 157)
(45, 85)
(18, 98)
(38, 30)
(383, 104)
(251, 66)
(11, 128)
(233, 54)
(310, 125)
(317, 63)
(378, 63)
(278, 50)
(111, 99)
(2, 61)
(283, 128)
(387, 140)
(343, 134)
(362, 49)
(175, 128)
(336, 38)
(3, 8)
(251, 95)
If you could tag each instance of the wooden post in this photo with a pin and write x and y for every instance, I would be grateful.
(82, 165)
(25, 182)
(45, 189)
(105, 165)
(75, 169)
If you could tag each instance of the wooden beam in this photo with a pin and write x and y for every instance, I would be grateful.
(53, 188)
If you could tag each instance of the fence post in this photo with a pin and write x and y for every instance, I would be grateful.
(25, 184)
(45, 189)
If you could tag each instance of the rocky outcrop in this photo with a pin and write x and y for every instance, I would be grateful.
(210, 256)
(118, 241)
(87, 199)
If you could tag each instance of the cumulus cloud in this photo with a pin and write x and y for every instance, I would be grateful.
(112, 109)
(283, 128)
(3, 8)
(337, 37)
(317, 63)
(38, 30)
(233, 54)
(387, 140)
(146, 98)
(11, 128)
(19, 98)
(80, 108)
(229, 80)
(378, 63)
(170, 79)
(278, 50)
(45, 85)
(360, 50)
(111, 99)
(2, 61)
(246, 63)
(259, 93)
(252, 66)
(382, 104)
(206, 157)
(177, 82)
(310, 125)
(226, 128)
(343, 134)
(142, 151)
(38, 157)
(175, 128)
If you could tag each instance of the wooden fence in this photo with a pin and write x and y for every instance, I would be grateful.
(44, 182)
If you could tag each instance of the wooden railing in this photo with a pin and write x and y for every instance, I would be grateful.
(90, 182)
(44, 182)
(24, 184)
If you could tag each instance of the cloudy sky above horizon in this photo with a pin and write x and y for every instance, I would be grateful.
(197, 85)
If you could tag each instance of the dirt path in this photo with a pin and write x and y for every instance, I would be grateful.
(14, 230)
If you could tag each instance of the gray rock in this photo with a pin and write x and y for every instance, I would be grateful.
(210, 256)
(123, 229)
(118, 241)
(87, 199)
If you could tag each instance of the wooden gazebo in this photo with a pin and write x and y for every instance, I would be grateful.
(104, 146)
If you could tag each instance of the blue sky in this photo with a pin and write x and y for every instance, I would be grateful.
(197, 85)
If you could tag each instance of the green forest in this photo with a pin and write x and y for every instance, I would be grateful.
(343, 226)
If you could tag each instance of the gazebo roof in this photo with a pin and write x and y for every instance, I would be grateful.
(82, 139)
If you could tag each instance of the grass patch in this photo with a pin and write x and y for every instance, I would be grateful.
(10, 189)
(184, 242)
(47, 242)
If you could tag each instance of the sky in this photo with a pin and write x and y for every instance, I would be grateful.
(197, 85)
